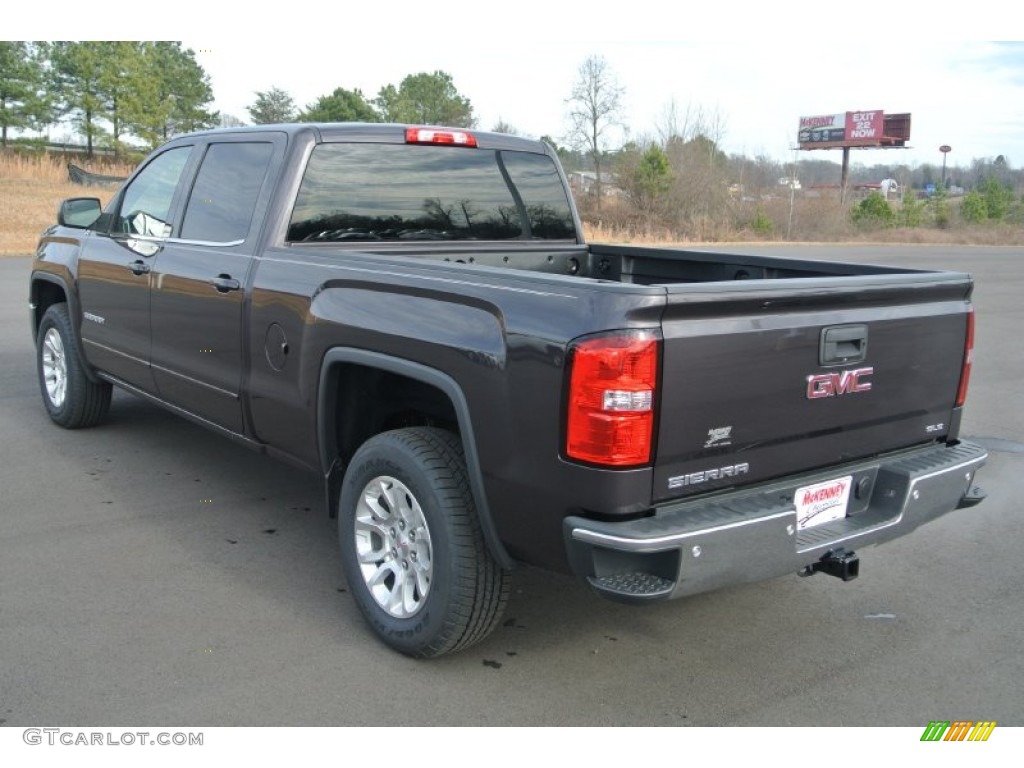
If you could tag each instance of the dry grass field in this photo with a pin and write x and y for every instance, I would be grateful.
(812, 220)
(31, 188)
(991, 234)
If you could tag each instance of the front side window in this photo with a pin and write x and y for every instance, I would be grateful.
(146, 204)
(394, 192)
(225, 192)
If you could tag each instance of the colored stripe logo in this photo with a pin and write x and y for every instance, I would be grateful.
(958, 730)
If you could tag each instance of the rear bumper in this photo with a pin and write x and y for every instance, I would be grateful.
(730, 538)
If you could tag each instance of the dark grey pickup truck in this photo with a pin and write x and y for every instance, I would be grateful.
(412, 314)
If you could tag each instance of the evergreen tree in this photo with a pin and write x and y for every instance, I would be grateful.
(23, 99)
(873, 211)
(973, 208)
(172, 93)
(191, 89)
(998, 198)
(273, 106)
(122, 84)
(645, 174)
(78, 68)
(425, 98)
(340, 106)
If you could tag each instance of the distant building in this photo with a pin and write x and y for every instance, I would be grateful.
(584, 183)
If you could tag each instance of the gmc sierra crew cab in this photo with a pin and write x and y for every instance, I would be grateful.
(413, 314)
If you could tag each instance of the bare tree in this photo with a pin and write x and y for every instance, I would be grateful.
(594, 107)
(502, 127)
(673, 125)
(701, 171)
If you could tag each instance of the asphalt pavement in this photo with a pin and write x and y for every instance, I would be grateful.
(153, 572)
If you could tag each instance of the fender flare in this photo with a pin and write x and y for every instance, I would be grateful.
(331, 466)
(39, 276)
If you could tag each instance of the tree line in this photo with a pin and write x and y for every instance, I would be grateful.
(110, 90)
(426, 97)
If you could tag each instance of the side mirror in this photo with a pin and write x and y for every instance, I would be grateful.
(79, 212)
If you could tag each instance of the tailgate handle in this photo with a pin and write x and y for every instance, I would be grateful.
(843, 344)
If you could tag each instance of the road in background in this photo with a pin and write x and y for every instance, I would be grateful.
(153, 572)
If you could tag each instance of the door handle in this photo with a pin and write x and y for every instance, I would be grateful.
(138, 267)
(225, 283)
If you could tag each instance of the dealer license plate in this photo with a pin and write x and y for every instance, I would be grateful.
(822, 503)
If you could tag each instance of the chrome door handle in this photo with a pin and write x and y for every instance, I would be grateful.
(225, 283)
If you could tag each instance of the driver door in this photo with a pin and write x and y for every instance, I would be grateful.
(114, 268)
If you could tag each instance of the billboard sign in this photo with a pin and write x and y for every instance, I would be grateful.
(856, 127)
(821, 128)
(864, 125)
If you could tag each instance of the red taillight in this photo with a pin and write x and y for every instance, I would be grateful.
(439, 136)
(612, 384)
(965, 373)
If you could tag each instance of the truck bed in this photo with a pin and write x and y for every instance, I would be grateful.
(743, 338)
(636, 265)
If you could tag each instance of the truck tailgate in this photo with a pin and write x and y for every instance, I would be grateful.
(765, 378)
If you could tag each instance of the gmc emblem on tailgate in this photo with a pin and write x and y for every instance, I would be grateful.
(832, 384)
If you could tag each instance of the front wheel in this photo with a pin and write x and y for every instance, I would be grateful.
(71, 399)
(411, 545)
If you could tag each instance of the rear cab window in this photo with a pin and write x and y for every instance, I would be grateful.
(372, 192)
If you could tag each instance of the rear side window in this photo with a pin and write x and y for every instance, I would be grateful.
(389, 192)
(224, 195)
(540, 186)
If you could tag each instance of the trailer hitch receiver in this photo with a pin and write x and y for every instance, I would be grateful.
(840, 563)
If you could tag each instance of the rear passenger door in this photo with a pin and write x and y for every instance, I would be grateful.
(200, 279)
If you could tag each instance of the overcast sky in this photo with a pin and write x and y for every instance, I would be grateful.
(516, 61)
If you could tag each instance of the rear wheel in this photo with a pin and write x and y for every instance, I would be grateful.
(71, 399)
(411, 545)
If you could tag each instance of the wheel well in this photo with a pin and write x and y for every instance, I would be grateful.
(364, 393)
(44, 295)
(369, 401)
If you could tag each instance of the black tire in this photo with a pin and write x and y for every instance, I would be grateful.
(458, 598)
(70, 398)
